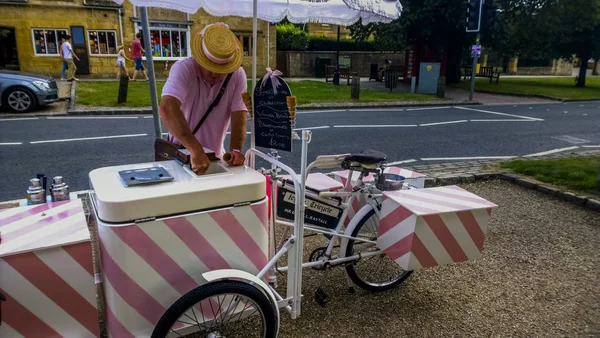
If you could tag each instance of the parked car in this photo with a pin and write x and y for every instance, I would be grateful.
(22, 92)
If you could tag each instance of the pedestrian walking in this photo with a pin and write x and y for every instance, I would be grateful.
(69, 54)
(121, 68)
(136, 54)
(62, 58)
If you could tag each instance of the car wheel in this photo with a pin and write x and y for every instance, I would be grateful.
(19, 100)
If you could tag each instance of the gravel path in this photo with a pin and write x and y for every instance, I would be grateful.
(539, 276)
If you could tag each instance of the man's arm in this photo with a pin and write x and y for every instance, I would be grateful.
(238, 130)
(174, 120)
(73, 53)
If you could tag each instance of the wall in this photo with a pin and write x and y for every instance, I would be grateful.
(559, 67)
(302, 64)
(64, 14)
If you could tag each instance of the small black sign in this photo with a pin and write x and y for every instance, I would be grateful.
(316, 213)
(272, 125)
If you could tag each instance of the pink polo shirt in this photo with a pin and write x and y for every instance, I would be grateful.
(186, 84)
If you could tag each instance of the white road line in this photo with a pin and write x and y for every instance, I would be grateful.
(553, 151)
(593, 146)
(375, 125)
(313, 128)
(88, 138)
(90, 117)
(320, 111)
(401, 162)
(20, 119)
(427, 108)
(497, 113)
(467, 158)
(149, 117)
(10, 143)
(439, 123)
(375, 109)
(504, 120)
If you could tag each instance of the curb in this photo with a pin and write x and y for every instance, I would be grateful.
(330, 106)
(552, 191)
(538, 96)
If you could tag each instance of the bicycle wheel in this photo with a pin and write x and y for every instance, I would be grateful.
(375, 273)
(220, 309)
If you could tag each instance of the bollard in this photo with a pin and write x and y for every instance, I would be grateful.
(441, 87)
(123, 85)
(355, 88)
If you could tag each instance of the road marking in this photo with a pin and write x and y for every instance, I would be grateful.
(20, 119)
(90, 117)
(312, 128)
(588, 146)
(320, 111)
(553, 151)
(10, 143)
(497, 113)
(88, 138)
(149, 117)
(401, 162)
(439, 123)
(571, 139)
(504, 120)
(427, 108)
(375, 125)
(468, 158)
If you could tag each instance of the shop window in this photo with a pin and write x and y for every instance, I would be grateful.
(47, 41)
(246, 41)
(166, 41)
(102, 42)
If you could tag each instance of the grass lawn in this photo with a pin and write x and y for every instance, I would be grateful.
(578, 174)
(555, 87)
(105, 93)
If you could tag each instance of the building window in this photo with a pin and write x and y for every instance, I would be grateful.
(102, 42)
(167, 40)
(246, 41)
(47, 41)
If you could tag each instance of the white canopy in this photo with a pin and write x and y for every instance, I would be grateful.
(337, 12)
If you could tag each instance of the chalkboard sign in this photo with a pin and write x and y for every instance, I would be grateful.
(272, 125)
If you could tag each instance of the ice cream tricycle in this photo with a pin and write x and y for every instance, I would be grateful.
(153, 250)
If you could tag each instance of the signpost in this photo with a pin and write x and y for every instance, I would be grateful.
(272, 123)
(474, 10)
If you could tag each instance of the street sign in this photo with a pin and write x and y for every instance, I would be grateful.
(476, 50)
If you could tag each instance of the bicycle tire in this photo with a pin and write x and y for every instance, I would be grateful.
(195, 296)
(351, 268)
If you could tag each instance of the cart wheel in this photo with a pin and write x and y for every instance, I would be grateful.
(220, 309)
(374, 273)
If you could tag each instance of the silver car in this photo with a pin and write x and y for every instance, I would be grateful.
(23, 92)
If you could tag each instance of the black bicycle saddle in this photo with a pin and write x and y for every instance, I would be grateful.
(367, 157)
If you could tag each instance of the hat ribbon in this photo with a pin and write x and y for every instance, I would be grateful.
(271, 74)
(208, 54)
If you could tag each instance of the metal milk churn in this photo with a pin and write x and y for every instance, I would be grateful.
(59, 190)
(36, 194)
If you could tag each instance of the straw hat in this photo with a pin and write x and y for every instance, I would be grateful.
(217, 49)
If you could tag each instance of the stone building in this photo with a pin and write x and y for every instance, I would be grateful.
(33, 29)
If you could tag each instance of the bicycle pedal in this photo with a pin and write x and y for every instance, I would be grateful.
(321, 297)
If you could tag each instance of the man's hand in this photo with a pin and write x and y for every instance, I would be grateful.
(200, 162)
(237, 158)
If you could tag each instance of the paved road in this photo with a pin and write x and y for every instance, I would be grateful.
(72, 146)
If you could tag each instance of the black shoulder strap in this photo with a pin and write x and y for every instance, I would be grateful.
(213, 104)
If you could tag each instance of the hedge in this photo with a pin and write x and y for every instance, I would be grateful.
(319, 43)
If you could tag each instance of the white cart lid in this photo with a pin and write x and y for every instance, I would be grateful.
(222, 186)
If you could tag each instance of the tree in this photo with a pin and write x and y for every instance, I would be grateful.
(290, 37)
(549, 29)
(435, 23)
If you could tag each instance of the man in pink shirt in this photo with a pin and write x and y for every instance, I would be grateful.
(192, 86)
(136, 55)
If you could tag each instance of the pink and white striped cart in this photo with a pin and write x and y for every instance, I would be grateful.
(197, 254)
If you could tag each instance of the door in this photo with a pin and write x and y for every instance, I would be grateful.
(8, 49)
(429, 74)
(81, 49)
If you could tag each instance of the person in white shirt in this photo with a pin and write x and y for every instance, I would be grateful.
(68, 55)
